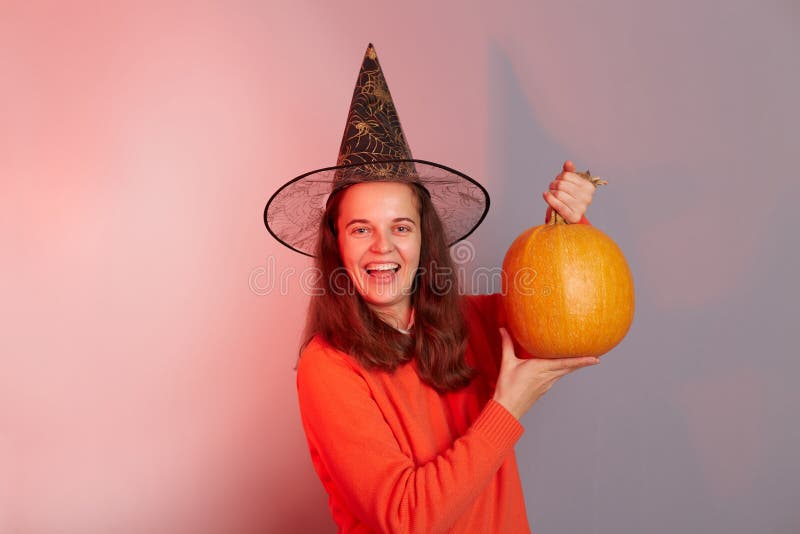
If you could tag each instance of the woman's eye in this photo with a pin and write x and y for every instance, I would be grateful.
(360, 230)
(403, 229)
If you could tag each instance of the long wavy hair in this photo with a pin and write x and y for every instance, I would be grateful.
(438, 337)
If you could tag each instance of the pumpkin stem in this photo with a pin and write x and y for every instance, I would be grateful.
(555, 217)
(594, 179)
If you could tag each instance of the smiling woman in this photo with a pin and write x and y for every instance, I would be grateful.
(387, 239)
(378, 230)
(410, 394)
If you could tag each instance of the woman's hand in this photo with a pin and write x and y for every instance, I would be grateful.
(522, 382)
(570, 194)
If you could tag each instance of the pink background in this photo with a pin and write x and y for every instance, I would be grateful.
(147, 343)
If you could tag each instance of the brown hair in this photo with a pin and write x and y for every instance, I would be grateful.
(438, 337)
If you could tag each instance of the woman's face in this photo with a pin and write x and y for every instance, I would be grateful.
(379, 239)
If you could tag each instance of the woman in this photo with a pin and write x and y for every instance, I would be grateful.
(410, 394)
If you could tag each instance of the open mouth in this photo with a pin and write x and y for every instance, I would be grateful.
(382, 270)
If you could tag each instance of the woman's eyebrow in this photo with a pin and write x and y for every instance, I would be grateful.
(395, 220)
(356, 221)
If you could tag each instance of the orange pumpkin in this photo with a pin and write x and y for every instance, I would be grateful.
(567, 290)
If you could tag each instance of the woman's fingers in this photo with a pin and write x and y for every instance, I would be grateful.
(569, 194)
(575, 192)
(573, 363)
(506, 339)
(574, 184)
(553, 200)
(556, 365)
(557, 368)
(504, 336)
(509, 355)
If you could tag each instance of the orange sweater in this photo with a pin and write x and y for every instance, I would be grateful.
(396, 456)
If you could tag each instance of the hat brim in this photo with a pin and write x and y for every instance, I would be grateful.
(293, 213)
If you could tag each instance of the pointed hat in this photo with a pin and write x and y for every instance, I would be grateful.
(373, 148)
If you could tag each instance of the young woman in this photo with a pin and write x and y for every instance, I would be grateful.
(410, 393)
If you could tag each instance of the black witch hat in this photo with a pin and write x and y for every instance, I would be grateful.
(373, 148)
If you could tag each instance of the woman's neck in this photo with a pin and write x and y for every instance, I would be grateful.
(400, 319)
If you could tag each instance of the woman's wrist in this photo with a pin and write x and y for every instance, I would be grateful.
(509, 406)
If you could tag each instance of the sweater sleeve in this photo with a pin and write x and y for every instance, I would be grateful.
(357, 456)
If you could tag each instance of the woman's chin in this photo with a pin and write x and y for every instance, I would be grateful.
(387, 299)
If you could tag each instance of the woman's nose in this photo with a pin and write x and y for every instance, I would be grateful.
(382, 243)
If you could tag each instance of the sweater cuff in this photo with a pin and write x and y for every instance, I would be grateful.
(498, 426)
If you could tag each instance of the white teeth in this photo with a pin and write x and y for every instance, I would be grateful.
(382, 266)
